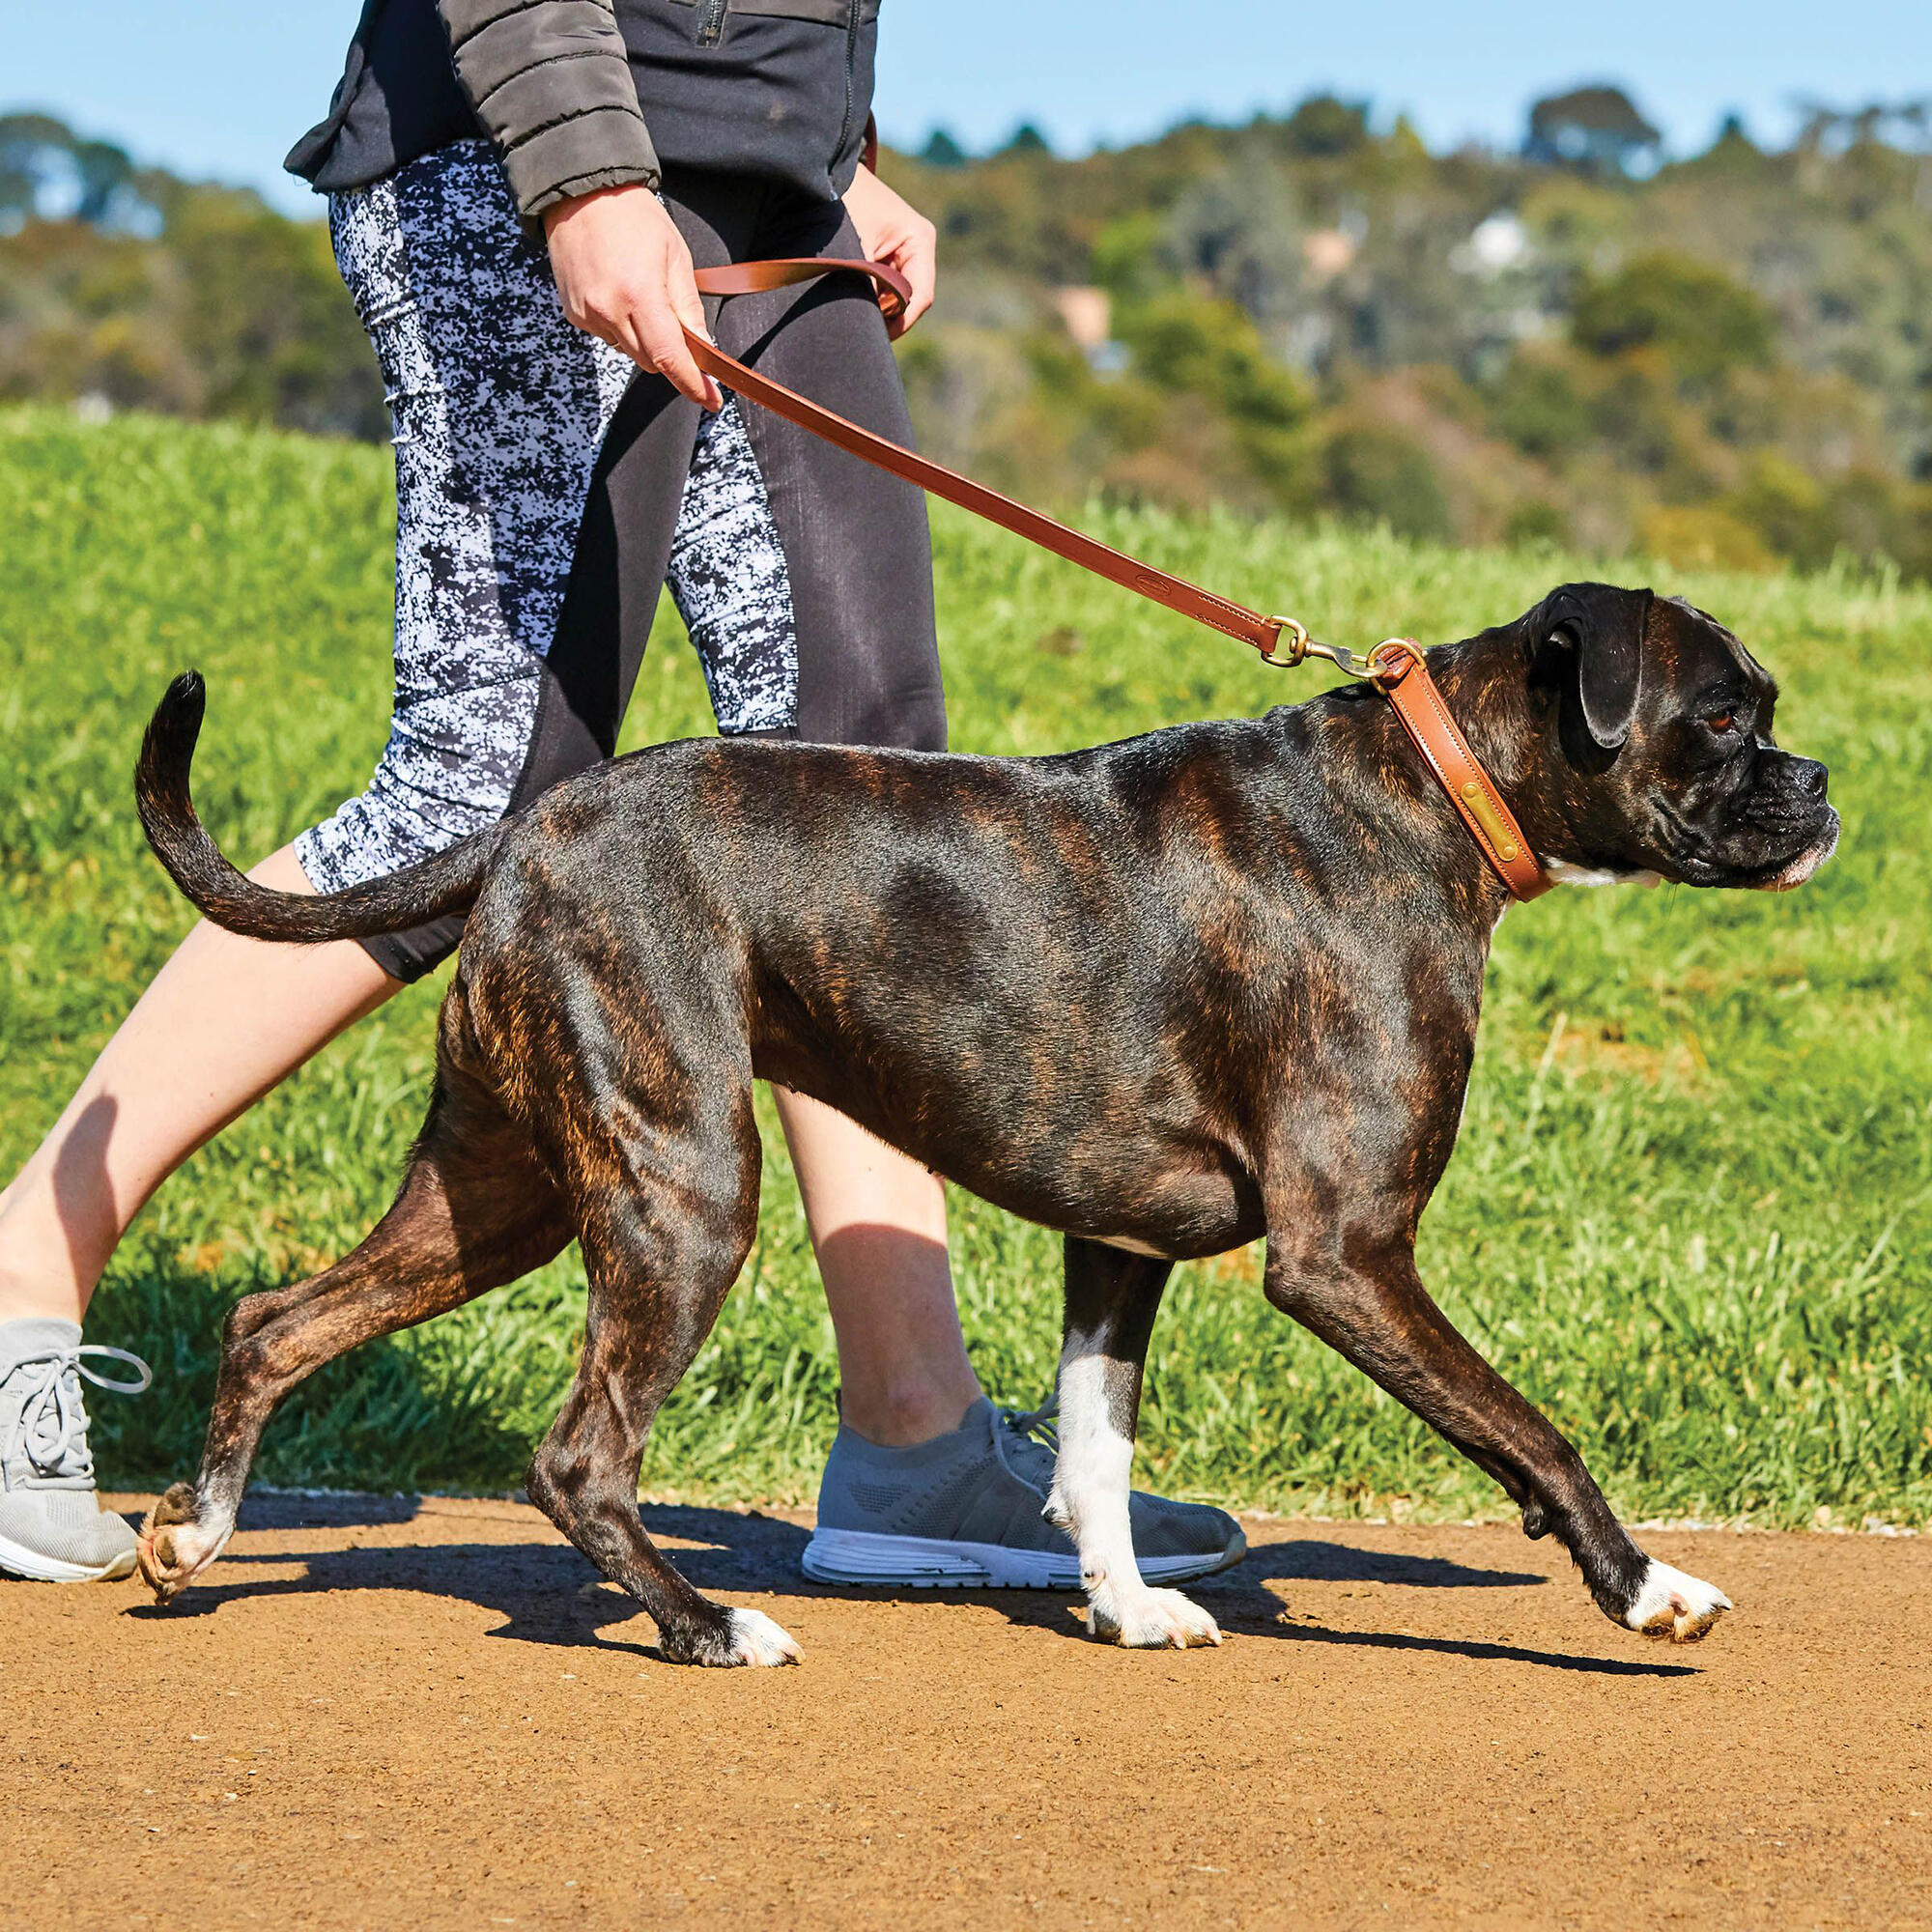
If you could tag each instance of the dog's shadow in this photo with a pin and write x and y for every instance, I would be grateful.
(548, 1593)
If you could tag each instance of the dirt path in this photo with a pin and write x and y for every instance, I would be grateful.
(390, 1713)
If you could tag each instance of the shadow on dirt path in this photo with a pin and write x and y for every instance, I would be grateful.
(549, 1594)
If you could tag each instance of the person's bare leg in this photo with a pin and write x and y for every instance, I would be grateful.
(221, 1023)
(878, 1229)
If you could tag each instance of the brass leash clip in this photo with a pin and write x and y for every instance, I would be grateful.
(1301, 646)
(1296, 634)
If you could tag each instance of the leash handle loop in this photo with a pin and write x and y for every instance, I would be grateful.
(1395, 667)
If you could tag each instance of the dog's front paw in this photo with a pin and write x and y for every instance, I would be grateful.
(174, 1544)
(742, 1637)
(1150, 1620)
(757, 1639)
(1675, 1605)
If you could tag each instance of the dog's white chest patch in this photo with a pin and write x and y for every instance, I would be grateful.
(1567, 874)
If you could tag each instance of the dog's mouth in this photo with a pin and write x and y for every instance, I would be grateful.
(1788, 873)
(1795, 870)
(1784, 872)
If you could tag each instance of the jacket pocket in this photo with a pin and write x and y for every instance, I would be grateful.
(709, 23)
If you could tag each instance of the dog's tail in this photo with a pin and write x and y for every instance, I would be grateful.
(446, 883)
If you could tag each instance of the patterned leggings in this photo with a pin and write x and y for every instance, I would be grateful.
(547, 489)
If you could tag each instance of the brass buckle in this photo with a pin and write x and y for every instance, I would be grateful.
(1375, 668)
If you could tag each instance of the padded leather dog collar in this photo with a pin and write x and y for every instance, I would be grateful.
(1417, 702)
(1396, 667)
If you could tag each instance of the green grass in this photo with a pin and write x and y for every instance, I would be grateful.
(1691, 1208)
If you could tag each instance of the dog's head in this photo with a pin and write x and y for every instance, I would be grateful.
(1666, 763)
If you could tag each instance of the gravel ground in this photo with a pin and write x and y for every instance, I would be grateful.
(389, 1712)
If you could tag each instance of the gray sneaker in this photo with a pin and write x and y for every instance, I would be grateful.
(52, 1527)
(962, 1511)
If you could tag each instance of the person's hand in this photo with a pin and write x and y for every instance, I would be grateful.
(891, 231)
(625, 276)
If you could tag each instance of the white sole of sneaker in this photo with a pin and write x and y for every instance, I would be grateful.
(866, 1559)
(18, 1560)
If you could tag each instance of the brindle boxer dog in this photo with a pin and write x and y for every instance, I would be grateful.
(1165, 996)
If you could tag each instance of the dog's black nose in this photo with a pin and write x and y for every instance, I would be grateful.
(1808, 777)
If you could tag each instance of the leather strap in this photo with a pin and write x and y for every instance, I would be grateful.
(1218, 613)
(1397, 667)
(1417, 701)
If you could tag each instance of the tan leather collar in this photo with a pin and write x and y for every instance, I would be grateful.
(1396, 667)
(1417, 702)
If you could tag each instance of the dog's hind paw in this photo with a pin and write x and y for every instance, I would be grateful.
(174, 1546)
(754, 1638)
(1150, 1620)
(1675, 1605)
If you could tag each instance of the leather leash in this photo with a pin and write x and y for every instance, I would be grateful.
(1395, 667)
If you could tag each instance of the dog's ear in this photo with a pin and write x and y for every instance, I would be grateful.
(1603, 626)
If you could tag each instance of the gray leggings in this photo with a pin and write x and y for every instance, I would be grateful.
(547, 489)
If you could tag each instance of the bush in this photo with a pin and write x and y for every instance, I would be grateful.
(1873, 515)
(1700, 537)
(1786, 508)
(1701, 319)
(1211, 349)
(231, 311)
(1535, 404)
(1374, 473)
(1536, 522)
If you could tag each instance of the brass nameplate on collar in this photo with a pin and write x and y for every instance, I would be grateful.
(1485, 816)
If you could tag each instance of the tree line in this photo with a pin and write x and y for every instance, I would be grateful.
(1722, 357)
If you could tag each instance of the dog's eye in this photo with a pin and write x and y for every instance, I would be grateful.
(1721, 722)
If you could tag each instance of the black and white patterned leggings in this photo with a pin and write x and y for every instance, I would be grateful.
(546, 490)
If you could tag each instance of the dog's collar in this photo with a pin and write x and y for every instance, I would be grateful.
(1398, 672)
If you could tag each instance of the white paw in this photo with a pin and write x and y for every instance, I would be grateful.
(1150, 1619)
(757, 1639)
(1675, 1605)
(173, 1546)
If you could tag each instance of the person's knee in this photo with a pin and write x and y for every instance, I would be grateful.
(455, 764)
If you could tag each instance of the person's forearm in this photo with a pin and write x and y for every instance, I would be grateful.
(551, 82)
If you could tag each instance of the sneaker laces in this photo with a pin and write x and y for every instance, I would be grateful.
(51, 1425)
(1035, 1434)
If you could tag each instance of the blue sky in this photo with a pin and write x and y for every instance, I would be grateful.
(220, 88)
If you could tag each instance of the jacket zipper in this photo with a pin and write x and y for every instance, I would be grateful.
(851, 75)
(711, 20)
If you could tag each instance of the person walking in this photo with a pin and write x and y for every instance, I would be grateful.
(519, 194)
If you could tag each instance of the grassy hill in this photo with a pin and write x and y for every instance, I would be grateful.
(1690, 1213)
